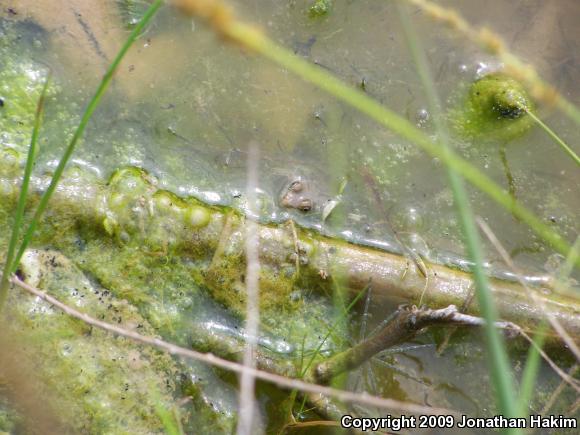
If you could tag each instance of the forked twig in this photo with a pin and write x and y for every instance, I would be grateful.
(406, 323)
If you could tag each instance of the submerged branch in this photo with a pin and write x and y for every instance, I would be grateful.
(130, 209)
(403, 326)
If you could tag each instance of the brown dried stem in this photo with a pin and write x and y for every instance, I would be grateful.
(209, 358)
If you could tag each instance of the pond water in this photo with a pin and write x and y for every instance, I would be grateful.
(187, 108)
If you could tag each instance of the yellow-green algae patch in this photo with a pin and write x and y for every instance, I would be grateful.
(9, 419)
(102, 384)
(166, 227)
(21, 84)
(320, 8)
(495, 108)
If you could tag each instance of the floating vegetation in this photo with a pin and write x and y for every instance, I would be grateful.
(320, 8)
(495, 108)
(69, 360)
(120, 243)
(20, 88)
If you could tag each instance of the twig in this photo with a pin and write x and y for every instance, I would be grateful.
(208, 358)
(449, 333)
(361, 265)
(407, 322)
(574, 408)
(226, 232)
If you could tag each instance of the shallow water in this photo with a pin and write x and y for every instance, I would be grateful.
(186, 107)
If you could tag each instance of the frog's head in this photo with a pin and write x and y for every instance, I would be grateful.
(297, 195)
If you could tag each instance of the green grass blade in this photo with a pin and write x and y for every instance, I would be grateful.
(168, 417)
(341, 317)
(331, 330)
(92, 106)
(327, 82)
(21, 205)
(556, 138)
(499, 361)
(531, 370)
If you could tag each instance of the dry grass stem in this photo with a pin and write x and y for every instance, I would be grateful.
(566, 338)
(247, 382)
(558, 391)
(208, 358)
(494, 44)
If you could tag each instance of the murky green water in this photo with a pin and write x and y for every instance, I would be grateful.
(187, 107)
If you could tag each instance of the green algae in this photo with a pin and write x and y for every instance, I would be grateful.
(9, 419)
(165, 268)
(85, 356)
(72, 358)
(167, 223)
(156, 250)
(495, 108)
(320, 8)
(146, 241)
(225, 278)
(162, 233)
(160, 260)
(20, 87)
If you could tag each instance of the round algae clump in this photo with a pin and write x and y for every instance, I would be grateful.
(496, 107)
(197, 216)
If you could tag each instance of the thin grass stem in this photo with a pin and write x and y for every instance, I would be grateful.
(211, 359)
(554, 136)
(331, 330)
(92, 106)
(493, 43)
(167, 417)
(22, 198)
(498, 358)
(251, 38)
(531, 370)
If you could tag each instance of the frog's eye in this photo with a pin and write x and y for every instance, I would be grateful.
(296, 186)
(305, 205)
